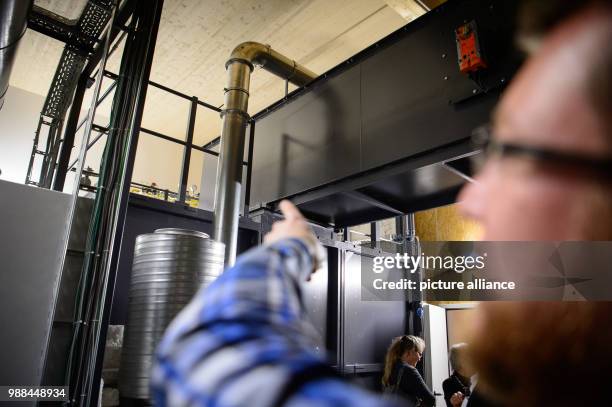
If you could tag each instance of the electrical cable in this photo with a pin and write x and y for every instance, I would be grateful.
(106, 207)
(88, 280)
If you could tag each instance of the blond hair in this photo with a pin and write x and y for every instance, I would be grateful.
(398, 347)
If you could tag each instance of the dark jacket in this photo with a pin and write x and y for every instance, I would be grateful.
(454, 384)
(476, 400)
(457, 383)
(411, 386)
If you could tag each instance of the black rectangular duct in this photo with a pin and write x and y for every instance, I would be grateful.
(370, 138)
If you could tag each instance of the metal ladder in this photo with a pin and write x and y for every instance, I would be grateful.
(49, 154)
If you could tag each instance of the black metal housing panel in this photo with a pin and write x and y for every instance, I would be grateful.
(393, 105)
(313, 140)
(414, 98)
(343, 209)
(424, 181)
(369, 325)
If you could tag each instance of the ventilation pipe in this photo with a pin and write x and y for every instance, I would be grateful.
(13, 24)
(235, 118)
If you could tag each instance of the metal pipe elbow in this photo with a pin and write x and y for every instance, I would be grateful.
(254, 53)
(248, 52)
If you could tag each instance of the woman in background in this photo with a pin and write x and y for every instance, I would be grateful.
(401, 377)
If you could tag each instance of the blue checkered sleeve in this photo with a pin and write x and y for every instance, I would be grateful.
(243, 341)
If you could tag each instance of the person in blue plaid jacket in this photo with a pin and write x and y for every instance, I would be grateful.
(243, 341)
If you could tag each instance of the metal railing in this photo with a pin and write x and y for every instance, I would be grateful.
(182, 195)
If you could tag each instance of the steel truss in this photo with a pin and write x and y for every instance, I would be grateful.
(80, 38)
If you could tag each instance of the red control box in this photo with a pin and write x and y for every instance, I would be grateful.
(468, 48)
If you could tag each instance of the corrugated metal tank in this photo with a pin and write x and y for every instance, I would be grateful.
(169, 267)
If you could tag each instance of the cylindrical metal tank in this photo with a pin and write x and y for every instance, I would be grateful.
(169, 267)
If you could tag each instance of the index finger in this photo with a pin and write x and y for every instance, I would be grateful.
(290, 211)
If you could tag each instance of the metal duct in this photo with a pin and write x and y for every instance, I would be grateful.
(169, 267)
(235, 118)
(13, 24)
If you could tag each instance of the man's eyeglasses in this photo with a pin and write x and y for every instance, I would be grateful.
(482, 140)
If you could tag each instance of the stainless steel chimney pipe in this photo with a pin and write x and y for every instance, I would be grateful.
(13, 23)
(235, 119)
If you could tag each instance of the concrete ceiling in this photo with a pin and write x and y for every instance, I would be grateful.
(196, 37)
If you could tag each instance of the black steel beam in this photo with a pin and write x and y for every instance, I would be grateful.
(207, 151)
(181, 142)
(162, 136)
(400, 228)
(187, 150)
(247, 193)
(214, 142)
(91, 143)
(182, 95)
(209, 106)
(374, 234)
(374, 202)
(112, 75)
(55, 26)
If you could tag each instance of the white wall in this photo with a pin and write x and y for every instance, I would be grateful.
(436, 354)
(18, 121)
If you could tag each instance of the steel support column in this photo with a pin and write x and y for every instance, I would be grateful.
(187, 151)
(374, 234)
(247, 192)
(70, 133)
(406, 234)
